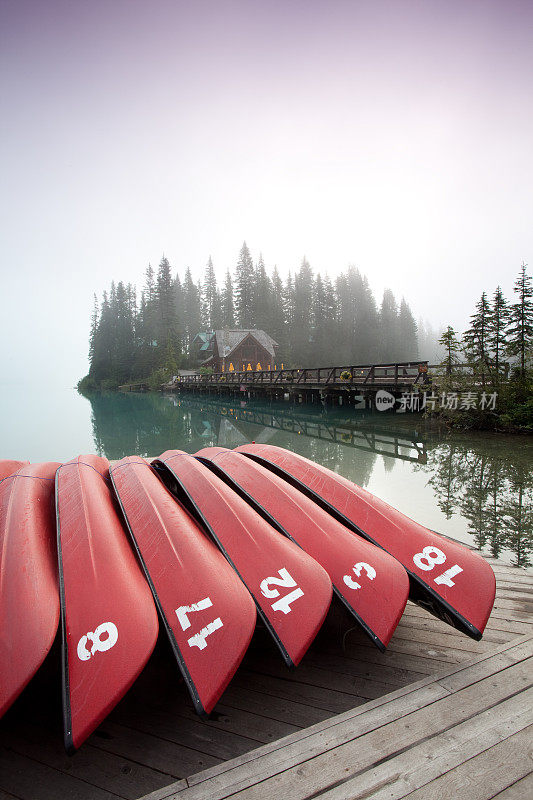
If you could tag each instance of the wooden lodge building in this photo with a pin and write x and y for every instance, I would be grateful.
(235, 350)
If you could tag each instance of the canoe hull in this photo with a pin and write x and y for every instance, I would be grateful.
(109, 621)
(451, 581)
(371, 583)
(292, 592)
(29, 590)
(207, 612)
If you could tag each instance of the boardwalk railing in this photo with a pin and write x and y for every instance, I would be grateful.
(364, 375)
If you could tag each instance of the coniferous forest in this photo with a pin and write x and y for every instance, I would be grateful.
(316, 321)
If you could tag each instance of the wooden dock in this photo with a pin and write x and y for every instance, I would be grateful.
(323, 385)
(438, 715)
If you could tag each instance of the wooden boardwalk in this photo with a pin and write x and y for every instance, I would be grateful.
(437, 715)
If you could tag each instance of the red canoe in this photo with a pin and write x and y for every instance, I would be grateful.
(453, 582)
(108, 617)
(292, 592)
(29, 592)
(10, 467)
(370, 582)
(208, 614)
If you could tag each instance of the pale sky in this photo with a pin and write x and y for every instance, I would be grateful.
(395, 136)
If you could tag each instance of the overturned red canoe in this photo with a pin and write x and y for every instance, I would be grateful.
(370, 582)
(292, 592)
(453, 582)
(208, 614)
(10, 467)
(29, 592)
(109, 621)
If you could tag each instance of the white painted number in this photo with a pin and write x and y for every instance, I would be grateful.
(287, 581)
(199, 639)
(429, 557)
(357, 568)
(98, 644)
(446, 577)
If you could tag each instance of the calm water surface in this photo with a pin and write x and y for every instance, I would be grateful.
(475, 487)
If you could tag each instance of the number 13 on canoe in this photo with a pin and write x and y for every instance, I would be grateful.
(291, 590)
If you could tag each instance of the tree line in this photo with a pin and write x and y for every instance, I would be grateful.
(498, 351)
(498, 330)
(316, 321)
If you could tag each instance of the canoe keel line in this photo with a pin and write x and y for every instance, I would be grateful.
(219, 537)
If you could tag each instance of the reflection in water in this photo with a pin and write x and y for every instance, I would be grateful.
(485, 484)
(492, 491)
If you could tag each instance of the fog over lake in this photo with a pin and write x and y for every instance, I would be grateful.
(392, 136)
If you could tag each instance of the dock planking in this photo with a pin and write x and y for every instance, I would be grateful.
(435, 712)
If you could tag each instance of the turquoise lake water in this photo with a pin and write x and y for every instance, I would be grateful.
(475, 487)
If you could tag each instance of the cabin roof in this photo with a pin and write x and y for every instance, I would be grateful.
(228, 340)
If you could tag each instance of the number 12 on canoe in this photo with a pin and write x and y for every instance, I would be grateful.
(291, 590)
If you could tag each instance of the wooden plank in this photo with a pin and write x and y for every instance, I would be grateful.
(168, 757)
(273, 707)
(469, 672)
(314, 696)
(332, 750)
(117, 775)
(199, 736)
(419, 765)
(21, 776)
(481, 777)
(314, 772)
(324, 678)
(245, 722)
(518, 791)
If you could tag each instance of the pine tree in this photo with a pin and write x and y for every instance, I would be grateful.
(408, 344)
(211, 313)
(192, 309)
(277, 327)
(94, 328)
(389, 324)
(262, 297)
(228, 309)
(499, 317)
(476, 338)
(244, 289)
(520, 330)
(452, 347)
(302, 325)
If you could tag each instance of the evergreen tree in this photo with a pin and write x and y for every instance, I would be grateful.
(499, 317)
(288, 308)
(389, 327)
(124, 343)
(212, 316)
(179, 306)
(192, 309)
(228, 309)
(302, 323)
(277, 326)
(476, 338)
(94, 328)
(244, 289)
(408, 342)
(452, 347)
(520, 330)
(262, 297)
